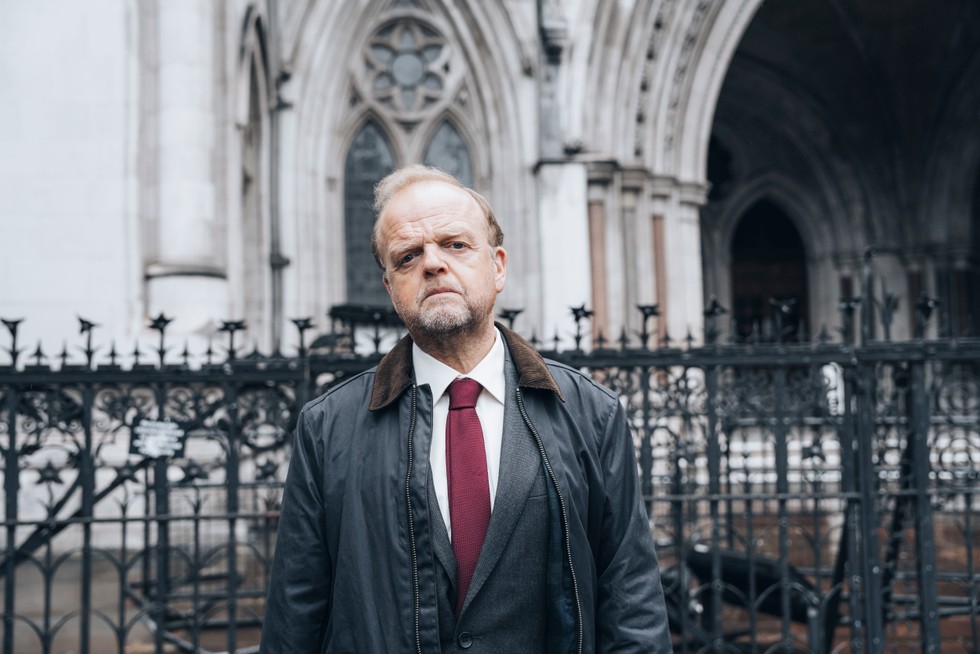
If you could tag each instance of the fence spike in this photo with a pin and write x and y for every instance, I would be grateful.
(160, 324)
(600, 341)
(232, 327)
(302, 326)
(580, 314)
(38, 355)
(11, 326)
(136, 353)
(510, 315)
(86, 327)
(623, 339)
(923, 311)
(647, 311)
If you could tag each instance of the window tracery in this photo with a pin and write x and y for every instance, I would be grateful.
(406, 63)
(408, 96)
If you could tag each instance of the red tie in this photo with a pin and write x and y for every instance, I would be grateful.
(469, 486)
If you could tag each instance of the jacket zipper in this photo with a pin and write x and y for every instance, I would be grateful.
(564, 513)
(411, 523)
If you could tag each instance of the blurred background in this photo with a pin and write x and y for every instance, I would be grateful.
(214, 160)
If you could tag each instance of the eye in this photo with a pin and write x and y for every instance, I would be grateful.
(457, 245)
(406, 259)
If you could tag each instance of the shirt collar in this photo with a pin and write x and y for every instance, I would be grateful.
(489, 372)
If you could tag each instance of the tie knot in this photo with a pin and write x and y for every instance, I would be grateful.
(463, 393)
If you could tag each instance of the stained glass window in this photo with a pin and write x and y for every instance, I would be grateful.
(447, 151)
(370, 158)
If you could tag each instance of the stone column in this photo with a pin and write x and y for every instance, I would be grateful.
(600, 178)
(566, 278)
(679, 203)
(186, 262)
(638, 252)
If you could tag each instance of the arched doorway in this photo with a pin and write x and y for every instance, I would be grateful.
(769, 280)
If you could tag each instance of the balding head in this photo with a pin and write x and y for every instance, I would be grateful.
(401, 179)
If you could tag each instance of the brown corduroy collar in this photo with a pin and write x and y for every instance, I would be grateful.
(394, 374)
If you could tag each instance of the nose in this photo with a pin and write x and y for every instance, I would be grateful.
(432, 261)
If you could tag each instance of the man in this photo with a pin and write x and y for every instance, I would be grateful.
(465, 494)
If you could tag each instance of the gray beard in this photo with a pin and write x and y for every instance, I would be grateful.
(444, 329)
(442, 323)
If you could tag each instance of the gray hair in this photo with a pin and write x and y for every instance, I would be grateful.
(402, 178)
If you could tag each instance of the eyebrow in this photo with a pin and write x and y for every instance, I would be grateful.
(407, 245)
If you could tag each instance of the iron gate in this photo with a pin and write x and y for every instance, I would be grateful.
(809, 497)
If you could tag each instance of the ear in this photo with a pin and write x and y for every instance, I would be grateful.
(499, 268)
(384, 280)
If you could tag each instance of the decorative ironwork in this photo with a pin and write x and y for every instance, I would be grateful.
(798, 491)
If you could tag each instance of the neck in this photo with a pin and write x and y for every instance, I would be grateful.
(461, 350)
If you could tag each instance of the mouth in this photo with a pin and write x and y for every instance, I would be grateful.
(441, 290)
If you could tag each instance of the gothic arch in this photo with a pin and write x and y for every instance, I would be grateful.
(805, 216)
(785, 193)
(251, 233)
(693, 44)
(953, 164)
(357, 122)
(457, 123)
(768, 262)
(322, 127)
(853, 219)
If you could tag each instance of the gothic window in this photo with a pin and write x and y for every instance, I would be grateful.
(370, 158)
(409, 97)
(768, 263)
(448, 152)
(406, 65)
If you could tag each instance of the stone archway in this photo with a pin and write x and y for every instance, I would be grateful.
(849, 102)
(769, 287)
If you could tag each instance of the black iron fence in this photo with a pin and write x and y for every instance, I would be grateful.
(805, 497)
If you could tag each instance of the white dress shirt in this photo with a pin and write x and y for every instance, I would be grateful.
(489, 408)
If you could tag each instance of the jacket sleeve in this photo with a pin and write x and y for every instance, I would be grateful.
(630, 614)
(298, 602)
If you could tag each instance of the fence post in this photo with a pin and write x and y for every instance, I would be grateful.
(646, 445)
(870, 560)
(714, 492)
(86, 470)
(925, 541)
(161, 493)
(11, 484)
(232, 481)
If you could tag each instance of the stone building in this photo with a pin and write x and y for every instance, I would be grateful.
(214, 159)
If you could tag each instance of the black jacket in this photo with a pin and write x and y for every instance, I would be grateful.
(351, 572)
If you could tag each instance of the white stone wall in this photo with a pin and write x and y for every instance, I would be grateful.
(68, 130)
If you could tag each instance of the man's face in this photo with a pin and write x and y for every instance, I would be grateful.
(441, 272)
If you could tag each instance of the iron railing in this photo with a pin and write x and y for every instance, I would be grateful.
(813, 497)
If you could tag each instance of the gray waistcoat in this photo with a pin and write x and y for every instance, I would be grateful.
(504, 608)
